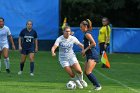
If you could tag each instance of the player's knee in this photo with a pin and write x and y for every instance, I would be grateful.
(87, 72)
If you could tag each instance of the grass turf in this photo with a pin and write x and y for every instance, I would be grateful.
(123, 77)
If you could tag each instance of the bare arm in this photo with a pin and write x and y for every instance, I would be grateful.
(53, 50)
(19, 43)
(92, 41)
(36, 45)
(12, 42)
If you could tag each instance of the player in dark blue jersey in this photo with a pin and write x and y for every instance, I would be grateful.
(28, 45)
(90, 52)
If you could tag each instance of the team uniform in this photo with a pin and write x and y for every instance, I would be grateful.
(91, 53)
(28, 41)
(104, 32)
(67, 56)
(4, 33)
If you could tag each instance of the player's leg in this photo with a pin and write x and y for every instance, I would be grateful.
(89, 66)
(67, 68)
(73, 76)
(31, 57)
(6, 59)
(0, 60)
(76, 66)
(23, 59)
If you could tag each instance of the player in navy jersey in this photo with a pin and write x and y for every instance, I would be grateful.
(28, 45)
(90, 52)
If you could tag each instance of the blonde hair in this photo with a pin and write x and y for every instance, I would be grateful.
(87, 23)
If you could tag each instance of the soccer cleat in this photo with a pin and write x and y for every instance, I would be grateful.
(31, 74)
(98, 88)
(20, 72)
(78, 84)
(84, 83)
(8, 70)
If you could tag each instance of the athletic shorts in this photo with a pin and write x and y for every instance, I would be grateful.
(92, 54)
(2, 46)
(68, 61)
(26, 52)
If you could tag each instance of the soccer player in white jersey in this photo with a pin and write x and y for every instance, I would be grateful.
(67, 56)
(4, 46)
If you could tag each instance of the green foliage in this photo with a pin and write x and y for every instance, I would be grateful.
(123, 13)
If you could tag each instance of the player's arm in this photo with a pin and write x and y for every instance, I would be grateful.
(36, 45)
(56, 44)
(19, 44)
(92, 43)
(12, 42)
(53, 50)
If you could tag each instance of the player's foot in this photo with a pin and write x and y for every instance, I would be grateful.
(8, 70)
(98, 88)
(79, 85)
(84, 83)
(20, 72)
(31, 74)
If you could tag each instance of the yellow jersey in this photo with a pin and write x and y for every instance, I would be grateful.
(104, 32)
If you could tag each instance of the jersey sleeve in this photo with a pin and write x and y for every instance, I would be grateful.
(57, 42)
(76, 41)
(8, 31)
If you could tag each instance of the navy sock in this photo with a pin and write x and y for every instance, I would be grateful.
(31, 67)
(93, 79)
(21, 66)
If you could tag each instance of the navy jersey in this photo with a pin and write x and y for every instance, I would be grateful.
(87, 42)
(90, 53)
(28, 38)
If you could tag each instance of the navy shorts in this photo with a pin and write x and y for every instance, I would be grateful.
(92, 54)
(26, 52)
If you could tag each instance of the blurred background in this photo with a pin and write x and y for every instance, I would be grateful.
(48, 16)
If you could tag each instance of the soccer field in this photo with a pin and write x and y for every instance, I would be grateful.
(122, 77)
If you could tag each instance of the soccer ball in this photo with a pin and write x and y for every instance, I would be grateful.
(71, 85)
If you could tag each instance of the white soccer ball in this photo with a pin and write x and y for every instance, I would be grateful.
(71, 85)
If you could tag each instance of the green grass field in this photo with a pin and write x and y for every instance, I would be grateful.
(123, 77)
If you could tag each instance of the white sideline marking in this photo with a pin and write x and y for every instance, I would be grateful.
(114, 80)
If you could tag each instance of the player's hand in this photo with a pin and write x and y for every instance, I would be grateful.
(105, 46)
(83, 53)
(13, 47)
(53, 54)
(20, 48)
(36, 50)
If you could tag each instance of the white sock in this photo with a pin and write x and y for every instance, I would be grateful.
(80, 76)
(74, 79)
(7, 63)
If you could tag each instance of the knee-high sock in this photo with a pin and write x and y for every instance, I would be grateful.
(31, 67)
(93, 79)
(21, 66)
(7, 63)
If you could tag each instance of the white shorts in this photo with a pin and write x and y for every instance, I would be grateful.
(4, 46)
(68, 62)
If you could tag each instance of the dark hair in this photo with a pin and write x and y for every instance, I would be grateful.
(87, 23)
(2, 18)
(29, 21)
(107, 20)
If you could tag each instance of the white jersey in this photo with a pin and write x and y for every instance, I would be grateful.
(4, 33)
(66, 46)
